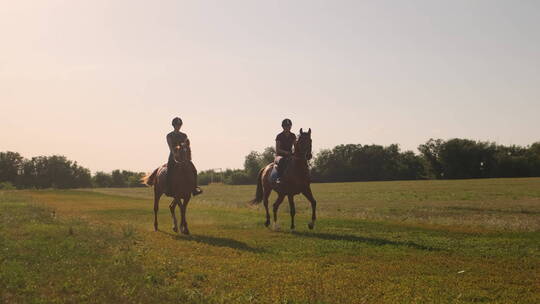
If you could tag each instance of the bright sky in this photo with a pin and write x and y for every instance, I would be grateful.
(100, 81)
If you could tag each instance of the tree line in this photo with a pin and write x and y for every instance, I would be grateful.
(56, 171)
(438, 159)
(464, 158)
(253, 162)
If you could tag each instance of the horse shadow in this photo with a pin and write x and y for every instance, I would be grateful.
(216, 241)
(361, 239)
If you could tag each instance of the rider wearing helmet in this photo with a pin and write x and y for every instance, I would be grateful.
(174, 139)
(284, 144)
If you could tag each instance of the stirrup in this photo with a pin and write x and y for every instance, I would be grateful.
(197, 191)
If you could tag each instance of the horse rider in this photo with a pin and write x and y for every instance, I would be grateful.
(174, 139)
(284, 144)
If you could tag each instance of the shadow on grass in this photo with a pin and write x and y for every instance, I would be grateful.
(361, 239)
(122, 212)
(216, 241)
(522, 211)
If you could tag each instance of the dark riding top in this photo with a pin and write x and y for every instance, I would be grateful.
(286, 141)
(174, 139)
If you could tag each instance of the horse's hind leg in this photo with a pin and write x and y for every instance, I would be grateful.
(278, 202)
(292, 209)
(172, 206)
(313, 202)
(157, 196)
(266, 195)
(183, 209)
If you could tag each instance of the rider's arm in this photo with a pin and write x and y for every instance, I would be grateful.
(188, 143)
(169, 142)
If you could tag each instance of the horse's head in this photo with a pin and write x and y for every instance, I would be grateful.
(181, 152)
(302, 146)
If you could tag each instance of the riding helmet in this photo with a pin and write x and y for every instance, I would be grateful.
(176, 121)
(286, 123)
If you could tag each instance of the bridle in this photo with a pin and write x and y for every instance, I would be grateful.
(181, 150)
(302, 147)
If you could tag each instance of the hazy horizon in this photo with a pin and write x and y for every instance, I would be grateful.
(100, 81)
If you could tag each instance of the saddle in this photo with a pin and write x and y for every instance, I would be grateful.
(279, 169)
(162, 176)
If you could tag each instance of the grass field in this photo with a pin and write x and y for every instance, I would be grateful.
(465, 241)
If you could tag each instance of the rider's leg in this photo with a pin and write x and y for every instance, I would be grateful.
(281, 165)
(197, 190)
(170, 165)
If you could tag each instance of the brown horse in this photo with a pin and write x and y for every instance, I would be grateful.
(183, 181)
(295, 180)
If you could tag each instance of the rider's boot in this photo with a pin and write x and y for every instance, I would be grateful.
(197, 189)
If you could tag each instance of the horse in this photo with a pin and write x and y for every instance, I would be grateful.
(295, 180)
(183, 182)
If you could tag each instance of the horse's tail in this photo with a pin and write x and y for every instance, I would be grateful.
(149, 179)
(259, 192)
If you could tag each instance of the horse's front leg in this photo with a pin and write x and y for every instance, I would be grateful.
(278, 202)
(172, 206)
(292, 210)
(307, 193)
(183, 208)
(157, 196)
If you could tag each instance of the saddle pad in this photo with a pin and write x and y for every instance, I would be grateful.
(273, 175)
(162, 174)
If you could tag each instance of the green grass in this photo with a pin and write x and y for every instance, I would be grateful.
(464, 241)
(47, 260)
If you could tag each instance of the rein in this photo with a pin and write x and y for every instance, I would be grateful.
(181, 149)
(301, 156)
(304, 157)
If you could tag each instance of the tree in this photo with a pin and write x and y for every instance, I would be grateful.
(431, 152)
(102, 180)
(268, 156)
(10, 166)
(134, 180)
(369, 162)
(255, 161)
(118, 179)
(81, 176)
(237, 177)
(252, 165)
(464, 158)
(533, 158)
(59, 172)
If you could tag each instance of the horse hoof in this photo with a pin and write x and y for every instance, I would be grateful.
(175, 229)
(310, 226)
(267, 224)
(276, 227)
(293, 228)
(186, 232)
